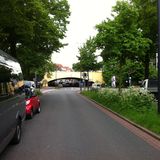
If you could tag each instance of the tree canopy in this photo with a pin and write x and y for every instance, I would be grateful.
(147, 21)
(87, 58)
(31, 30)
(121, 38)
(128, 41)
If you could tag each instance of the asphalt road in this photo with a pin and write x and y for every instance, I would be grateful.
(71, 128)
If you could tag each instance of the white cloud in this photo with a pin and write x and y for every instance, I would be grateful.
(85, 14)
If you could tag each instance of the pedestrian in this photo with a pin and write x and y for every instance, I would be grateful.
(130, 81)
(113, 80)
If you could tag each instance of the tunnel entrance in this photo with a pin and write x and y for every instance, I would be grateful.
(69, 82)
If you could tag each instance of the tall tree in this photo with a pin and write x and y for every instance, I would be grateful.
(147, 21)
(121, 38)
(14, 25)
(133, 69)
(32, 30)
(87, 58)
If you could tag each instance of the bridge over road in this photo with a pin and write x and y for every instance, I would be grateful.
(93, 76)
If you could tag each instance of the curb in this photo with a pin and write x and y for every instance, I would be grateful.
(154, 135)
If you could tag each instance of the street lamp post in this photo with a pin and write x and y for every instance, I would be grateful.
(158, 5)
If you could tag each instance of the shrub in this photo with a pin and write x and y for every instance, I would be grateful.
(38, 92)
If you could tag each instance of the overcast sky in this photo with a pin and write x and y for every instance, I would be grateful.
(85, 14)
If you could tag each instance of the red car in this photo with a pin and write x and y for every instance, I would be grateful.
(32, 105)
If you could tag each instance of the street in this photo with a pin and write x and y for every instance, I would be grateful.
(71, 128)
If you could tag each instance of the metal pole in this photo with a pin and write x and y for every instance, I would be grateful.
(80, 82)
(158, 56)
(35, 79)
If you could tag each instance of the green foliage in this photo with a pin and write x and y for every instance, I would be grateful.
(77, 66)
(153, 72)
(147, 21)
(87, 58)
(132, 104)
(34, 63)
(110, 68)
(38, 92)
(121, 39)
(47, 66)
(121, 36)
(133, 69)
(32, 30)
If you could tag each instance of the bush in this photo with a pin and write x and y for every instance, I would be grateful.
(38, 92)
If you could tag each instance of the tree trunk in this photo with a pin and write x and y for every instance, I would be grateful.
(146, 65)
(120, 81)
(12, 41)
(121, 64)
(88, 80)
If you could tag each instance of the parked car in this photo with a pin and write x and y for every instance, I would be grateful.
(12, 100)
(96, 86)
(29, 84)
(32, 103)
(150, 85)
